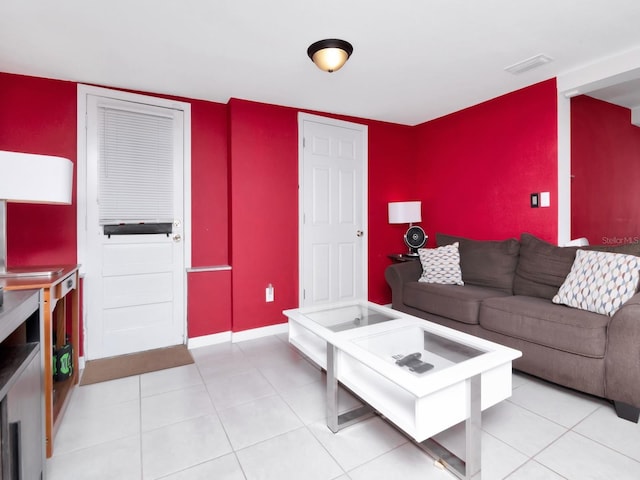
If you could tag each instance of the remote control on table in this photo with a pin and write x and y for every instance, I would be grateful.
(412, 357)
(423, 367)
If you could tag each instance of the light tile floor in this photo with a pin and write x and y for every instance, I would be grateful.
(256, 410)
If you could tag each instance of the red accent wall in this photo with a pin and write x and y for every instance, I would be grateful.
(209, 184)
(209, 303)
(605, 164)
(477, 167)
(209, 292)
(264, 213)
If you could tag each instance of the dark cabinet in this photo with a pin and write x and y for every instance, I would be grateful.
(21, 387)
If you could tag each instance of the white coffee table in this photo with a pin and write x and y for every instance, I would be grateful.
(359, 345)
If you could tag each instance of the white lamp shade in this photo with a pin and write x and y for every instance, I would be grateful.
(30, 178)
(405, 212)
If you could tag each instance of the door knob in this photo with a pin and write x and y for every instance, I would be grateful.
(177, 237)
(359, 233)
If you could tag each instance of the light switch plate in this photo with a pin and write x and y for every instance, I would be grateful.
(545, 199)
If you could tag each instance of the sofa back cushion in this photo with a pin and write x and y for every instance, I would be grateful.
(486, 263)
(461, 304)
(542, 267)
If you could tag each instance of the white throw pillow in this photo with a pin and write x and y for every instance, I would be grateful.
(441, 265)
(600, 281)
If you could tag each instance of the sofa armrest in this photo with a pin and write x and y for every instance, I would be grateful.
(622, 361)
(397, 275)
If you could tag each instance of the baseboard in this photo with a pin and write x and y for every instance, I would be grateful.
(207, 340)
(234, 337)
(260, 332)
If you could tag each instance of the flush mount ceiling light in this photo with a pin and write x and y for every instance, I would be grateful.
(330, 54)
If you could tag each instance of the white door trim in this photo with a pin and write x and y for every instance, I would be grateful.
(302, 117)
(81, 183)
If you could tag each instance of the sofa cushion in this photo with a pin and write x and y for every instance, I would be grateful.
(542, 322)
(441, 265)
(542, 267)
(486, 263)
(461, 303)
(600, 282)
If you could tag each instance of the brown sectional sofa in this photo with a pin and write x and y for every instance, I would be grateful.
(506, 298)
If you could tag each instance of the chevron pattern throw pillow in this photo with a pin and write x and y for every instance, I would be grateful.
(441, 265)
(600, 281)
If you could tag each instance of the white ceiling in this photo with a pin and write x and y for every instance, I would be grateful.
(625, 94)
(413, 60)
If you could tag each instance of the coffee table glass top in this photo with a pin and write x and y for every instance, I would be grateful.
(416, 350)
(349, 317)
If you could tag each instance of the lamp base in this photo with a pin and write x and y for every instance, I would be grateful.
(31, 272)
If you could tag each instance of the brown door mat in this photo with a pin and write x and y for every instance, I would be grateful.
(122, 366)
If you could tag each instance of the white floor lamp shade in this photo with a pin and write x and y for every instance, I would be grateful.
(30, 178)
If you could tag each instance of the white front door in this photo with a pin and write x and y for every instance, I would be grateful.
(134, 282)
(333, 210)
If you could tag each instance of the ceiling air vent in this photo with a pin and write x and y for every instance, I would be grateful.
(529, 64)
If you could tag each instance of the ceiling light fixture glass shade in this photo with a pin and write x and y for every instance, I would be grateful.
(330, 54)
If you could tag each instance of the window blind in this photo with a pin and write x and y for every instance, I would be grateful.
(135, 166)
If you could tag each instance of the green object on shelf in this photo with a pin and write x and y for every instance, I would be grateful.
(63, 363)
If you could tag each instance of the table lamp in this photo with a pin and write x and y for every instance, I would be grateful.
(30, 178)
(409, 212)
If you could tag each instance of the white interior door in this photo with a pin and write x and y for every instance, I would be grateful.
(134, 283)
(333, 210)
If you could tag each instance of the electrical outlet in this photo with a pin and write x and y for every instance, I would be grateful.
(269, 293)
